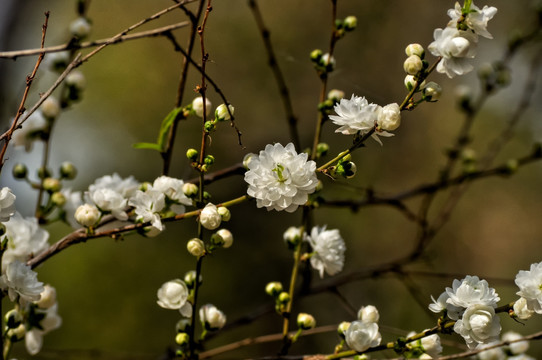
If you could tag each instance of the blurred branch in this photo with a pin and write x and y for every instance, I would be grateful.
(279, 77)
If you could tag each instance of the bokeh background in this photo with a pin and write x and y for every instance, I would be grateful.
(107, 289)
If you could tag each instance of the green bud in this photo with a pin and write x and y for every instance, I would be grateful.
(468, 155)
(341, 329)
(58, 199)
(43, 173)
(224, 212)
(316, 55)
(192, 154)
(51, 185)
(20, 171)
(350, 23)
(190, 279)
(209, 160)
(13, 319)
(335, 95)
(217, 240)
(206, 196)
(273, 288)
(321, 150)
(511, 166)
(67, 170)
(210, 126)
(284, 297)
(305, 321)
(182, 338)
(183, 325)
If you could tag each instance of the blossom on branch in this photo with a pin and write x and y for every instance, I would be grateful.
(362, 335)
(479, 325)
(25, 238)
(174, 295)
(21, 281)
(281, 179)
(530, 287)
(7, 204)
(455, 47)
(329, 248)
(476, 20)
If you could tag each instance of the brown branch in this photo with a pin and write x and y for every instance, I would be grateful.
(279, 77)
(29, 79)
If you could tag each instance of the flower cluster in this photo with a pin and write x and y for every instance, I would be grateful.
(357, 116)
(280, 178)
(363, 333)
(471, 303)
(457, 43)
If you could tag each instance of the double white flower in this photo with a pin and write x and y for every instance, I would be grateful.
(329, 248)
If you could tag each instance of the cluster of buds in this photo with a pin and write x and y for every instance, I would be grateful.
(345, 168)
(416, 68)
(193, 156)
(323, 63)
(222, 113)
(333, 97)
(342, 26)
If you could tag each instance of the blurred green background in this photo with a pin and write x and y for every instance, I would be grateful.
(107, 289)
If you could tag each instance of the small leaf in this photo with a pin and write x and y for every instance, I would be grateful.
(150, 146)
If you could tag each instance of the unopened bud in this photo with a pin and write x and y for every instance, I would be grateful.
(316, 55)
(226, 236)
(341, 329)
(210, 126)
(273, 288)
(246, 160)
(17, 333)
(20, 171)
(67, 170)
(350, 23)
(292, 236)
(335, 95)
(413, 65)
(284, 297)
(432, 91)
(190, 279)
(196, 247)
(87, 215)
(51, 185)
(80, 28)
(511, 166)
(209, 160)
(50, 108)
(190, 189)
(224, 213)
(197, 106)
(305, 321)
(76, 80)
(182, 338)
(415, 49)
(58, 199)
(322, 149)
(222, 114)
(183, 325)
(13, 319)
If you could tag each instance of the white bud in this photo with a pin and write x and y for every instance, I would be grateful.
(80, 28)
(227, 236)
(305, 321)
(273, 288)
(335, 95)
(410, 82)
(341, 329)
(211, 317)
(413, 65)
(196, 247)
(415, 49)
(209, 217)
(432, 91)
(225, 213)
(518, 347)
(77, 80)
(87, 215)
(197, 106)
(222, 114)
(292, 235)
(389, 117)
(521, 310)
(246, 160)
(350, 22)
(368, 313)
(190, 189)
(50, 108)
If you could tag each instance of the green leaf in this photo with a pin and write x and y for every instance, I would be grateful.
(150, 146)
(165, 127)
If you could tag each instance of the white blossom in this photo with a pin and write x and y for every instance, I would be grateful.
(305, 321)
(496, 353)
(476, 19)
(227, 236)
(197, 106)
(281, 179)
(7, 204)
(211, 317)
(455, 47)
(521, 357)
(516, 347)
(530, 287)
(328, 247)
(20, 280)
(174, 295)
(108, 200)
(221, 112)
(77, 80)
(34, 337)
(368, 313)
(148, 205)
(440, 304)
(479, 325)
(209, 217)
(361, 335)
(80, 27)
(126, 187)
(431, 345)
(389, 117)
(26, 135)
(87, 215)
(521, 310)
(357, 115)
(50, 108)
(173, 189)
(470, 291)
(25, 238)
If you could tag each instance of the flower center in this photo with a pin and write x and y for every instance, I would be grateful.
(279, 169)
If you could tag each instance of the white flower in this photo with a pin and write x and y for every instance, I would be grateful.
(34, 337)
(491, 354)
(221, 112)
(368, 313)
(479, 325)
(50, 108)
(110, 201)
(77, 80)
(73, 201)
(389, 117)
(530, 287)
(197, 106)
(87, 215)
(21, 280)
(209, 217)
(329, 248)
(357, 115)
(7, 204)
(25, 238)
(440, 304)
(361, 335)
(174, 295)
(227, 236)
(281, 179)
(293, 235)
(126, 187)
(476, 19)
(517, 347)
(455, 47)
(431, 345)
(521, 310)
(80, 27)
(211, 317)
(173, 190)
(47, 297)
(26, 135)
(147, 206)
(470, 291)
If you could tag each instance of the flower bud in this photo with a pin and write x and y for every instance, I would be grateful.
(50, 108)
(468, 155)
(224, 213)
(511, 166)
(47, 297)
(43, 173)
(305, 321)
(87, 215)
(222, 114)
(196, 247)
(58, 199)
(316, 55)
(368, 314)
(211, 317)
(76, 80)
(182, 338)
(183, 325)
(20, 171)
(463, 95)
(13, 319)
(246, 160)
(292, 236)
(192, 154)
(516, 347)
(327, 62)
(209, 160)
(51, 185)
(17, 333)
(521, 310)
(190, 189)
(413, 65)
(58, 61)
(350, 23)
(226, 236)
(274, 288)
(415, 49)
(335, 95)
(209, 126)
(346, 169)
(284, 297)
(341, 329)
(389, 117)
(80, 28)
(321, 150)
(190, 279)
(197, 106)
(206, 195)
(431, 91)
(67, 170)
